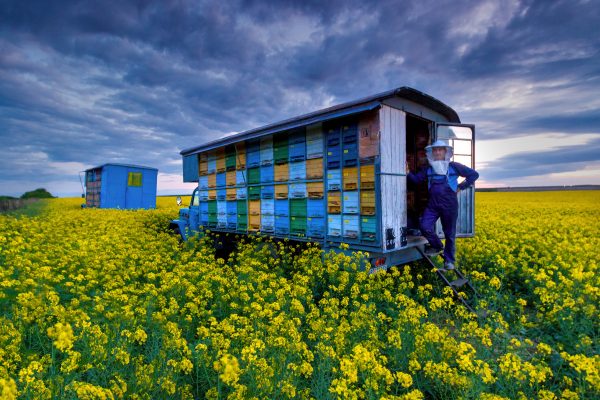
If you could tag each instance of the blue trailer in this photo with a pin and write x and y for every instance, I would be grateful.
(121, 186)
(349, 161)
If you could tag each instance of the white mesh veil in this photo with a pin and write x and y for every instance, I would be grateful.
(440, 167)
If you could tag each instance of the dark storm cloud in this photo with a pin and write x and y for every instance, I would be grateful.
(562, 159)
(584, 121)
(83, 83)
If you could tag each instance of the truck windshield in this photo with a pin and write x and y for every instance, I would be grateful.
(195, 199)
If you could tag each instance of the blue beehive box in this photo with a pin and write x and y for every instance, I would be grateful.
(282, 207)
(231, 214)
(267, 192)
(368, 227)
(267, 207)
(221, 179)
(212, 162)
(297, 190)
(314, 142)
(297, 146)
(334, 148)
(267, 173)
(350, 226)
(121, 186)
(240, 177)
(298, 171)
(316, 208)
(282, 224)
(204, 213)
(232, 207)
(267, 223)
(315, 227)
(334, 179)
(252, 153)
(241, 193)
(334, 225)
(203, 182)
(350, 202)
(221, 214)
(266, 151)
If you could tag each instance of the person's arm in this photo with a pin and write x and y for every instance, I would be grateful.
(417, 177)
(469, 174)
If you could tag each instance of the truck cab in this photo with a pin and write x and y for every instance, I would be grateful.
(187, 223)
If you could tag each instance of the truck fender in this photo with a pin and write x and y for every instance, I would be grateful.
(179, 227)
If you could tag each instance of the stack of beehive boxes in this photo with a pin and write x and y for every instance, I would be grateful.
(291, 183)
(93, 186)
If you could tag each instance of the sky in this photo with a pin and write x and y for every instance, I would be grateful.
(83, 83)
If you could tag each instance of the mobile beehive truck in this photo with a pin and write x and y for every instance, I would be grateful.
(120, 186)
(331, 176)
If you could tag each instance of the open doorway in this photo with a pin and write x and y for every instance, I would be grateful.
(417, 138)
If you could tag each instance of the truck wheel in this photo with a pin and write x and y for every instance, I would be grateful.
(176, 231)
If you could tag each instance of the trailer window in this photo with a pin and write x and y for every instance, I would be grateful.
(134, 179)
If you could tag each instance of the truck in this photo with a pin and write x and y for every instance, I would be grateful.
(336, 175)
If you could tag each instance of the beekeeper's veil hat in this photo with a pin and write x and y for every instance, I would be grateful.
(439, 166)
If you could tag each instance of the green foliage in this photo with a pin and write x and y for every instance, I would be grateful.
(40, 193)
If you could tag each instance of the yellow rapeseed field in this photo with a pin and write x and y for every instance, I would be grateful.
(107, 304)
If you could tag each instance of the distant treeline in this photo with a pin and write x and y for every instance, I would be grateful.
(9, 203)
(538, 188)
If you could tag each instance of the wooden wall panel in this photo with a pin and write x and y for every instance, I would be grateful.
(393, 176)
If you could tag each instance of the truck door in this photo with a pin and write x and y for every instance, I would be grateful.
(194, 211)
(462, 138)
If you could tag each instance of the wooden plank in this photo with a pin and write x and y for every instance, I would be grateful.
(393, 176)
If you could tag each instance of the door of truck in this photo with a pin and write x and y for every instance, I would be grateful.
(194, 211)
(462, 138)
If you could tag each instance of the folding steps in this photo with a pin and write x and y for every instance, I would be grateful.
(461, 282)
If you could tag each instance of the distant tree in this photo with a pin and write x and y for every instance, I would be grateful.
(40, 193)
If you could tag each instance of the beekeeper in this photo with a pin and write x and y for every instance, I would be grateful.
(442, 180)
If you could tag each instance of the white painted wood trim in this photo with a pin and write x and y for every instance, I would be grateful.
(392, 179)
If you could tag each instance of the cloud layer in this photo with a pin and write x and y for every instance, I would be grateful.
(84, 83)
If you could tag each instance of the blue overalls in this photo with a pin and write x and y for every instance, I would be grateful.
(443, 204)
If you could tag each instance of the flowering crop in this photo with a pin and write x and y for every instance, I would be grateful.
(107, 304)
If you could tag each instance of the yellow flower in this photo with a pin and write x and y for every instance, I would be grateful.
(8, 389)
(229, 369)
(62, 335)
(404, 379)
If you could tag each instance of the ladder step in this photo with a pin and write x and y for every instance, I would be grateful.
(459, 282)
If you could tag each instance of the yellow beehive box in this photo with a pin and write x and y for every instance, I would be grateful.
(315, 190)
(240, 158)
(230, 178)
(334, 202)
(202, 164)
(282, 172)
(350, 178)
(367, 202)
(314, 168)
(281, 191)
(254, 208)
(253, 223)
(212, 181)
(220, 154)
(231, 194)
(367, 176)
